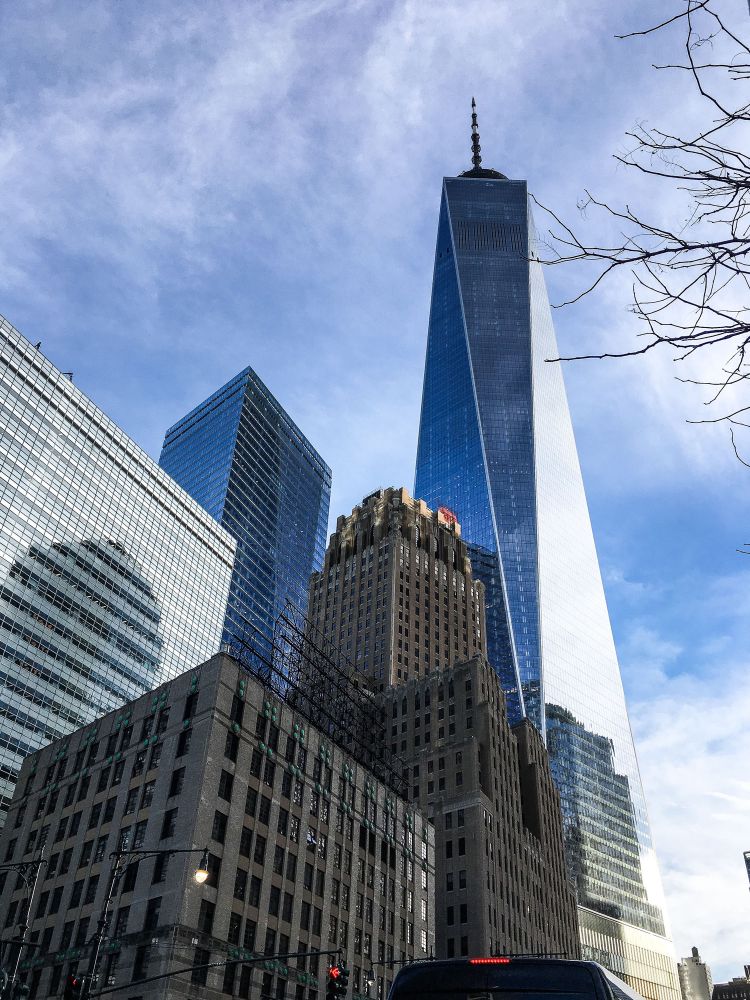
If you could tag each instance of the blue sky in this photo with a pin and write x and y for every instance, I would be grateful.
(191, 188)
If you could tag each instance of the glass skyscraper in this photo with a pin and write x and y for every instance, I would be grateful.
(243, 459)
(496, 447)
(112, 579)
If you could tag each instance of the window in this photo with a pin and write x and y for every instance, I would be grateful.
(155, 757)
(139, 835)
(255, 887)
(278, 860)
(248, 939)
(251, 801)
(140, 962)
(109, 809)
(75, 822)
(148, 794)
(206, 916)
(259, 855)
(283, 821)
(138, 764)
(177, 781)
(117, 773)
(130, 801)
(199, 976)
(232, 746)
(191, 705)
(183, 745)
(82, 932)
(219, 828)
(274, 901)
(214, 870)
(121, 923)
(265, 810)
(246, 839)
(91, 889)
(235, 925)
(160, 869)
(169, 824)
(131, 876)
(101, 847)
(151, 921)
(226, 781)
(240, 884)
(54, 905)
(75, 896)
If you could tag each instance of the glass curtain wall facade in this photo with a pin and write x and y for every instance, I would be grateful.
(243, 459)
(111, 577)
(496, 446)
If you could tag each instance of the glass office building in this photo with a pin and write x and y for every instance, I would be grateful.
(112, 579)
(496, 446)
(243, 459)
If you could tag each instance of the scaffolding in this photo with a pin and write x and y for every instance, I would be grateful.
(303, 668)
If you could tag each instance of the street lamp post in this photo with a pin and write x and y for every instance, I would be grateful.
(119, 866)
(29, 872)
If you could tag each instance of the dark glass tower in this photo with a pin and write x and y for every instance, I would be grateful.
(243, 459)
(496, 446)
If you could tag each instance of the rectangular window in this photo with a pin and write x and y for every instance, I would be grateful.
(183, 744)
(219, 828)
(226, 781)
(177, 781)
(169, 824)
(240, 884)
(206, 917)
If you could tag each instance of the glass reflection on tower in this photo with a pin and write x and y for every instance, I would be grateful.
(242, 458)
(112, 579)
(496, 446)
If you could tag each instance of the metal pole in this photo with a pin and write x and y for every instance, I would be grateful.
(103, 922)
(101, 929)
(23, 927)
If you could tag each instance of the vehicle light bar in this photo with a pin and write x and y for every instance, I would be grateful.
(489, 961)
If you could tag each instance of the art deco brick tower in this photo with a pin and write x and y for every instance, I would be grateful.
(396, 593)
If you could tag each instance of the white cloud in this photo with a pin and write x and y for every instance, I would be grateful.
(693, 745)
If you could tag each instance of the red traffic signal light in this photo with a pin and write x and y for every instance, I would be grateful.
(73, 987)
(338, 982)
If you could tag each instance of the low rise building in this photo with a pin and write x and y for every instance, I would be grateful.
(307, 850)
(736, 989)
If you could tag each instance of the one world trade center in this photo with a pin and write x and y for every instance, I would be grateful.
(496, 447)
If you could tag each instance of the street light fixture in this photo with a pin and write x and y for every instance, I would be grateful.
(201, 873)
(120, 864)
(29, 873)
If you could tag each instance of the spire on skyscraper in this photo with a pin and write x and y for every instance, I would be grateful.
(477, 169)
(476, 159)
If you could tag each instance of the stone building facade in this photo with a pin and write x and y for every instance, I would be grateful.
(396, 593)
(501, 884)
(397, 596)
(307, 850)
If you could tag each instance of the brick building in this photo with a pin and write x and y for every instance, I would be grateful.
(307, 849)
(397, 595)
(501, 885)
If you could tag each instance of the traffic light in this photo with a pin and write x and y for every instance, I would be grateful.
(343, 981)
(73, 987)
(338, 982)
